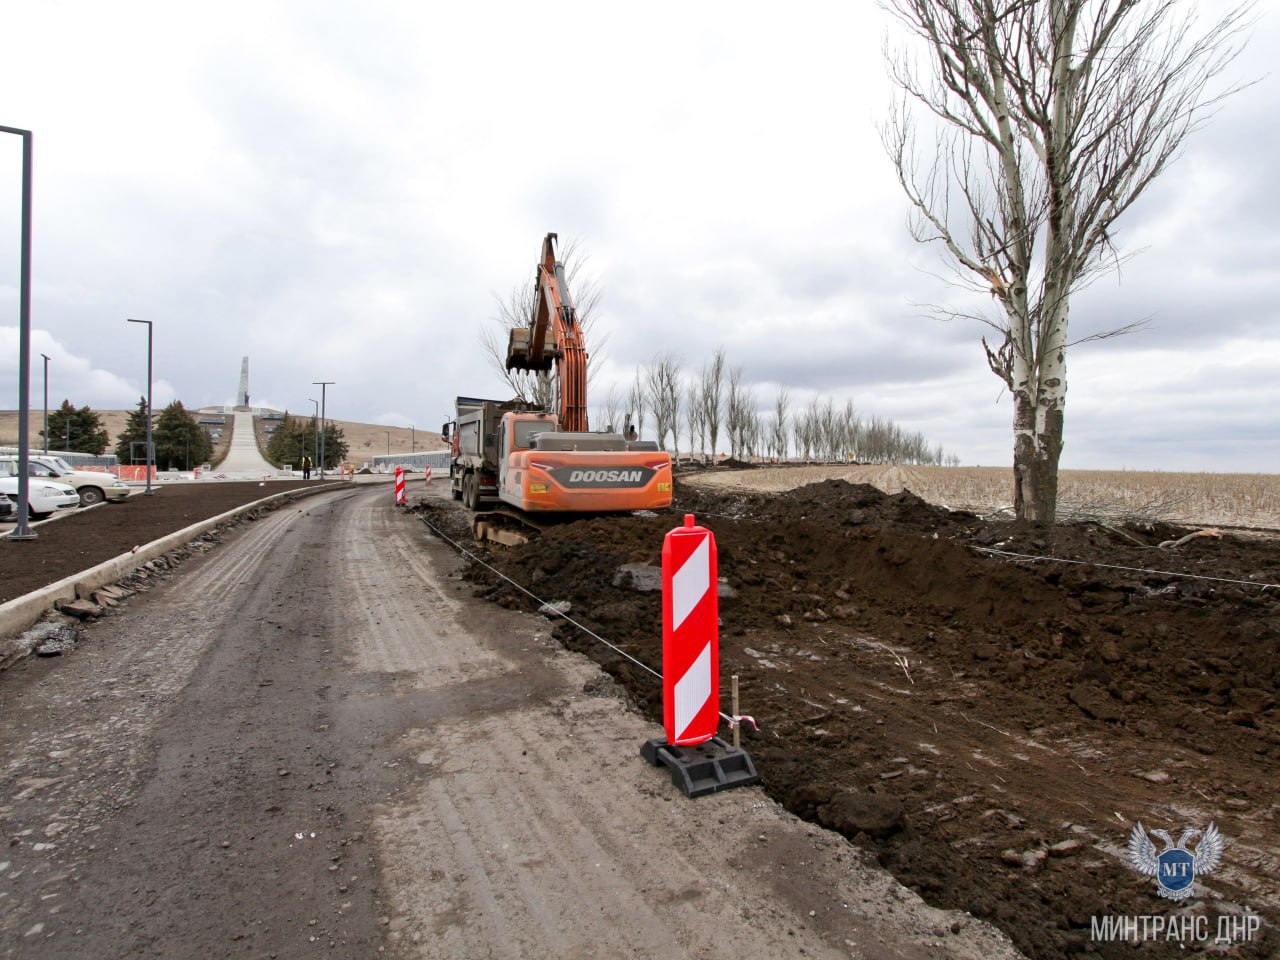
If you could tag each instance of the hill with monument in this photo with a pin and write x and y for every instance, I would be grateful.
(364, 440)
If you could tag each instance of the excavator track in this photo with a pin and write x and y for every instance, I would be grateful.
(506, 526)
(511, 527)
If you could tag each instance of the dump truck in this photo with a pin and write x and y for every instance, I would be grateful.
(473, 439)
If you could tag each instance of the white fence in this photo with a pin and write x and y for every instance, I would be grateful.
(437, 460)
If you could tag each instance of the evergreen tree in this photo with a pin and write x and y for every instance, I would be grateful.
(296, 436)
(135, 431)
(179, 440)
(291, 438)
(76, 430)
(335, 446)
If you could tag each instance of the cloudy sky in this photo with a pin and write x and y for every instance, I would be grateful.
(340, 191)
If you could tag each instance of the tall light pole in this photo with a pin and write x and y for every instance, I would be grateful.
(149, 451)
(322, 384)
(388, 433)
(413, 443)
(46, 404)
(22, 531)
(315, 433)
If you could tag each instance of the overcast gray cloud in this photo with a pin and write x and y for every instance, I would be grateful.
(338, 191)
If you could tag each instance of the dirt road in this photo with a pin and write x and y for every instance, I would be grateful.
(315, 740)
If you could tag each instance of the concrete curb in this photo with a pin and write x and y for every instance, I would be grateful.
(20, 613)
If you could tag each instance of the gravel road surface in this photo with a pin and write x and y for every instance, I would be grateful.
(315, 741)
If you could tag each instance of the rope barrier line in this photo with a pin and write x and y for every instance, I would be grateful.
(733, 721)
(541, 603)
(1113, 566)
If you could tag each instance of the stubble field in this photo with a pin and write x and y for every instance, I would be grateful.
(1219, 499)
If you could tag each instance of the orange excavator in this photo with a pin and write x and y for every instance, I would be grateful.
(548, 461)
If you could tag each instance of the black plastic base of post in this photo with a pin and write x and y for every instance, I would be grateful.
(708, 767)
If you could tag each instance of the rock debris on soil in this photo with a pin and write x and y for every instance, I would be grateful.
(990, 729)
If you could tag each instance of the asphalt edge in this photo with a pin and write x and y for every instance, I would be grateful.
(18, 614)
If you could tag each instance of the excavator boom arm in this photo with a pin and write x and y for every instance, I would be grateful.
(554, 315)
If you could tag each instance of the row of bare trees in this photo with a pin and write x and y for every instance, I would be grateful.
(711, 407)
(716, 404)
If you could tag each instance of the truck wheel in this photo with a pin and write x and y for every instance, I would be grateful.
(470, 498)
(90, 495)
(454, 491)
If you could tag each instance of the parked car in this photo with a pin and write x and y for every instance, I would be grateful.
(44, 497)
(8, 510)
(93, 486)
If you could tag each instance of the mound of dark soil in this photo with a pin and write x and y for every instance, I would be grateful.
(991, 727)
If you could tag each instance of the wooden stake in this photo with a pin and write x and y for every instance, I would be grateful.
(737, 733)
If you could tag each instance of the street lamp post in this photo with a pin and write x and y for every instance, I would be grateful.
(46, 406)
(322, 384)
(388, 433)
(150, 453)
(413, 443)
(315, 432)
(21, 530)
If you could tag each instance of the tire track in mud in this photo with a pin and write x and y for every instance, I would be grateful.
(547, 858)
(401, 621)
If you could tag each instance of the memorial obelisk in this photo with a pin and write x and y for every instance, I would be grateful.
(242, 395)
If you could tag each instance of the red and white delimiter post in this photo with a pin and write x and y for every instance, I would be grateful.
(690, 635)
(401, 499)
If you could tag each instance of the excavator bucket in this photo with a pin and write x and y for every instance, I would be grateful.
(518, 349)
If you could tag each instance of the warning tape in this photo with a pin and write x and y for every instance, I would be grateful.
(548, 609)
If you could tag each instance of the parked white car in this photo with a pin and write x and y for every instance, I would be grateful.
(94, 486)
(44, 497)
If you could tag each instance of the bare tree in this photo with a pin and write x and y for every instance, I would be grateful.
(712, 398)
(851, 426)
(695, 415)
(610, 412)
(1056, 115)
(741, 416)
(734, 404)
(662, 390)
(803, 428)
(753, 429)
(778, 425)
(636, 402)
(516, 310)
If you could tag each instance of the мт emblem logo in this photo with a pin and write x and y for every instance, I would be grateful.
(1176, 868)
